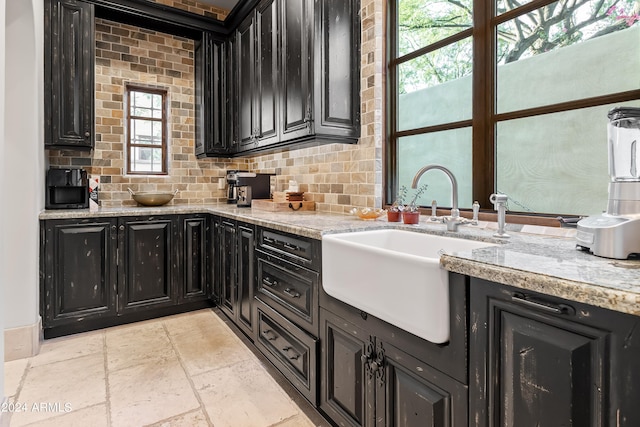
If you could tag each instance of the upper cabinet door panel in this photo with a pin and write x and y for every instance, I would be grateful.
(337, 101)
(296, 69)
(69, 74)
(267, 72)
(245, 45)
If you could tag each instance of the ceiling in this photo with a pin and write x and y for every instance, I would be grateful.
(224, 4)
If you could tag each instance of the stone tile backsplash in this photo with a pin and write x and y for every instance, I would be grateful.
(336, 176)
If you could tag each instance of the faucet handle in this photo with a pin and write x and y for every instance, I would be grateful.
(434, 210)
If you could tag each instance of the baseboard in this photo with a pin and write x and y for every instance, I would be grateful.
(22, 342)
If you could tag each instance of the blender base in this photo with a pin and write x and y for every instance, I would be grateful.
(610, 236)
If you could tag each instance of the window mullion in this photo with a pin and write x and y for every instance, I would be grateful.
(484, 83)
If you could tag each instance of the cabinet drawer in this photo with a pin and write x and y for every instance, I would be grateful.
(289, 348)
(299, 250)
(289, 289)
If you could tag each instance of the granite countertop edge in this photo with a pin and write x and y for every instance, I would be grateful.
(546, 264)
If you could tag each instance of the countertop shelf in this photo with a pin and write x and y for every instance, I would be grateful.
(542, 263)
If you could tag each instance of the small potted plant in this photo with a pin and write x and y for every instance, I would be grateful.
(410, 213)
(394, 214)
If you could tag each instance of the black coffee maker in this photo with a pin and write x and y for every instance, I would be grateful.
(67, 188)
(232, 185)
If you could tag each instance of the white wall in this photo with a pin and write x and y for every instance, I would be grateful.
(22, 165)
(2, 186)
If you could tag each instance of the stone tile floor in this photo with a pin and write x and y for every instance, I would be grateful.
(184, 370)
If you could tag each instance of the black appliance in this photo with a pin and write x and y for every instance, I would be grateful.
(67, 188)
(243, 186)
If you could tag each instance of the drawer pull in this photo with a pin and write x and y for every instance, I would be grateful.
(549, 307)
(291, 247)
(295, 355)
(268, 282)
(269, 240)
(266, 333)
(291, 293)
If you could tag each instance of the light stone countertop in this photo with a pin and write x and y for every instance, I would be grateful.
(545, 263)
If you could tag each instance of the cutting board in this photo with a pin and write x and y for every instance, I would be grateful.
(270, 205)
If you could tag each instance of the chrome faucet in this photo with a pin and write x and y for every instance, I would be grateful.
(454, 220)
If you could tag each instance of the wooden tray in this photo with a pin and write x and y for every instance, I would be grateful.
(270, 205)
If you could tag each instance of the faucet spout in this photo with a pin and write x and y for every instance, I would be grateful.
(455, 212)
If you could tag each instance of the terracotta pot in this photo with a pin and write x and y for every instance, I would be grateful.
(394, 216)
(410, 217)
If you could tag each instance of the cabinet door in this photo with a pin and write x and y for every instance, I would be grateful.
(69, 75)
(296, 75)
(210, 97)
(194, 281)
(267, 76)
(539, 360)
(347, 389)
(227, 264)
(412, 394)
(246, 277)
(336, 111)
(245, 75)
(80, 276)
(147, 260)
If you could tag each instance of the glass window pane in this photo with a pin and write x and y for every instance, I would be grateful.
(423, 22)
(555, 163)
(451, 149)
(141, 99)
(146, 132)
(561, 53)
(436, 88)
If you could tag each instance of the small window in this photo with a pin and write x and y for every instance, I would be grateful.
(146, 131)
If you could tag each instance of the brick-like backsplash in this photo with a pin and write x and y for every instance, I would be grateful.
(126, 54)
(196, 7)
(336, 176)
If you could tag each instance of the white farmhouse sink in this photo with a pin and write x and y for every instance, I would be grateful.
(394, 275)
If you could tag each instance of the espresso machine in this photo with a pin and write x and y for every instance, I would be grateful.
(616, 233)
(243, 186)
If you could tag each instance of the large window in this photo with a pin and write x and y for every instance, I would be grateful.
(511, 96)
(146, 131)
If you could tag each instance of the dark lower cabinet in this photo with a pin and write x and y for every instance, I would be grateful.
(235, 278)
(368, 382)
(542, 361)
(100, 272)
(79, 271)
(195, 268)
(148, 258)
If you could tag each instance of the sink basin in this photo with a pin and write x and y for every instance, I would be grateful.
(394, 275)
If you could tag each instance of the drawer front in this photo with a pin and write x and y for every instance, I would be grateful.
(290, 349)
(299, 250)
(289, 289)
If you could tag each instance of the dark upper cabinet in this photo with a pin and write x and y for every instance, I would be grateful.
(539, 360)
(336, 66)
(297, 73)
(212, 132)
(148, 260)
(257, 77)
(79, 272)
(69, 74)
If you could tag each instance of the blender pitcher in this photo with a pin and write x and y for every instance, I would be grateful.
(623, 132)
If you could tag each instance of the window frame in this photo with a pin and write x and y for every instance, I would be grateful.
(484, 119)
(164, 146)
